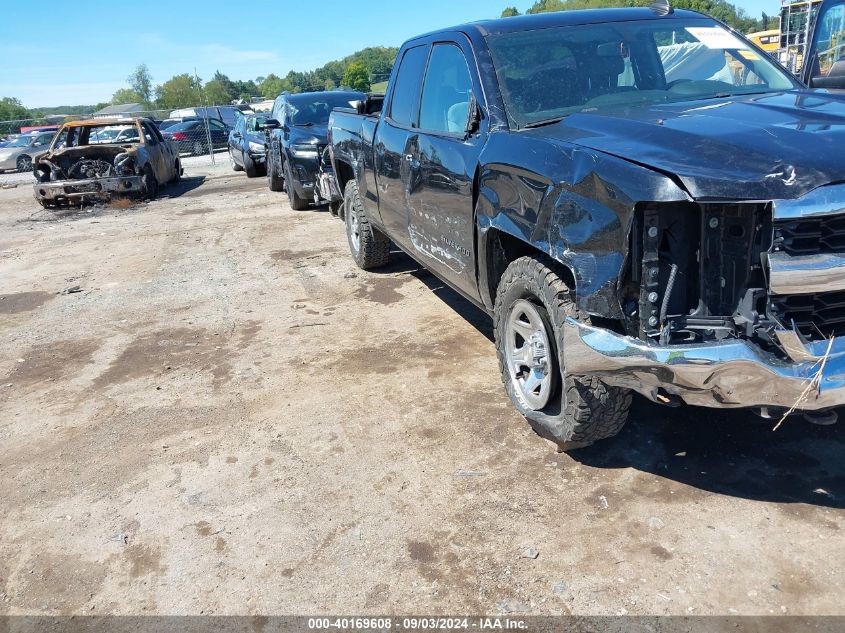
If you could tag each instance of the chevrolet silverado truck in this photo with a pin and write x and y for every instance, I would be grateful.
(641, 199)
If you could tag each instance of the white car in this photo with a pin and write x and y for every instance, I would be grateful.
(19, 154)
(116, 134)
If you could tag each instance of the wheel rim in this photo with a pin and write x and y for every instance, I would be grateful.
(24, 163)
(197, 148)
(354, 230)
(528, 355)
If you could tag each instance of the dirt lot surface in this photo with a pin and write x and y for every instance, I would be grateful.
(229, 417)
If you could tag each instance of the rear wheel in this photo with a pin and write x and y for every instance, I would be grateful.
(198, 149)
(178, 171)
(532, 303)
(370, 247)
(235, 166)
(24, 163)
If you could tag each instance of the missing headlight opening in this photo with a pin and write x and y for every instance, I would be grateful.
(698, 272)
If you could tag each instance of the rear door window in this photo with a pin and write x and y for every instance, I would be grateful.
(406, 91)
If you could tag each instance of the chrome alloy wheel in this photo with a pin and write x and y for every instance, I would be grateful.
(528, 355)
(354, 230)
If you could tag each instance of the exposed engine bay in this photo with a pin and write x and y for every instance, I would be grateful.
(81, 163)
(96, 160)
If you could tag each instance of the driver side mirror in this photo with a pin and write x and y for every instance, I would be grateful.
(269, 124)
(835, 77)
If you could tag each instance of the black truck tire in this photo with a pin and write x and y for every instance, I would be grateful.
(150, 183)
(296, 203)
(370, 247)
(274, 179)
(572, 412)
(235, 166)
(250, 167)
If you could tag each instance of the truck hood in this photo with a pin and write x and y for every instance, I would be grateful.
(760, 147)
(316, 134)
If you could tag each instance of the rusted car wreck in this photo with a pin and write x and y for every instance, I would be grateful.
(93, 161)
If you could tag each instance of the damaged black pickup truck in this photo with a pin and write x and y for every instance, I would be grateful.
(640, 198)
(95, 160)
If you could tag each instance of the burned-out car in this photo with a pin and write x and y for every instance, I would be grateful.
(640, 198)
(95, 160)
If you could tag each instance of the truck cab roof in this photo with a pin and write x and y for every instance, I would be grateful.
(538, 21)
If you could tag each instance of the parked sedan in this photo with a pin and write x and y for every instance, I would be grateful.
(18, 154)
(246, 145)
(168, 123)
(192, 136)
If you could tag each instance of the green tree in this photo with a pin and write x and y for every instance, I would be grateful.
(178, 92)
(272, 86)
(246, 90)
(509, 12)
(126, 95)
(142, 83)
(357, 77)
(216, 93)
(226, 84)
(12, 112)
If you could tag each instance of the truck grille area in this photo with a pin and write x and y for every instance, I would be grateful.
(810, 236)
(814, 315)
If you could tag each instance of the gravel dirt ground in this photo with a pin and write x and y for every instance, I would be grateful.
(228, 417)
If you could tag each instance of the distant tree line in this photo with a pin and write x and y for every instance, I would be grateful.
(358, 71)
(728, 13)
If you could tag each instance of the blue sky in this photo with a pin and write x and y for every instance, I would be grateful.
(83, 54)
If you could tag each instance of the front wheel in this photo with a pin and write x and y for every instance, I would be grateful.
(370, 247)
(150, 183)
(235, 166)
(251, 169)
(532, 303)
(274, 179)
(296, 202)
(24, 163)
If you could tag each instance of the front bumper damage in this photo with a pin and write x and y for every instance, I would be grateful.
(93, 188)
(729, 304)
(735, 373)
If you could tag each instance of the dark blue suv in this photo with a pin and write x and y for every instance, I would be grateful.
(296, 136)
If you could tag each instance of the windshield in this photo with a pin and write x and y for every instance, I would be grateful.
(254, 119)
(317, 110)
(181, 127)
(547, 74)
(21, 141)
(80, 136)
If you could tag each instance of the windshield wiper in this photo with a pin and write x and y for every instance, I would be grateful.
(308, 124)
(543, 122)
